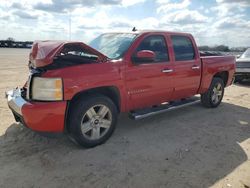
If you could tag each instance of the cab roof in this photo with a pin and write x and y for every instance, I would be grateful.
(152, 31)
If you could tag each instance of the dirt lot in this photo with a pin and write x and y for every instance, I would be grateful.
(191, 147)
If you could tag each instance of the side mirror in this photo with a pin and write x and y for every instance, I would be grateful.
(144, 56)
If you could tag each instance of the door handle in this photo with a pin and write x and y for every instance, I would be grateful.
(195, 67)
(167, 70)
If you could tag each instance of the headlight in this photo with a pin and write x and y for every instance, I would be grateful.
(47, 89)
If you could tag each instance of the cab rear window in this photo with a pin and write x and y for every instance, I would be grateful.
(183, 48)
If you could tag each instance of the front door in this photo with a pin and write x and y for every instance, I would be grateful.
(150, 83)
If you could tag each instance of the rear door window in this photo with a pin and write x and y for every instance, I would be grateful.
(183, 48)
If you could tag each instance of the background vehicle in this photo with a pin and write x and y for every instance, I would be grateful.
(243, 66)
(210, 53)
(80, 89)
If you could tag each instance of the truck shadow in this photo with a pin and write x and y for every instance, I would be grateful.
(191, 147)
(245, 83)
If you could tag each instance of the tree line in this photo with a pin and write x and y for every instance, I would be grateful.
(11, 43)
(222, 48)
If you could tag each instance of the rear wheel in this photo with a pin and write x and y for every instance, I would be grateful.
(213, 97)
(92, 120)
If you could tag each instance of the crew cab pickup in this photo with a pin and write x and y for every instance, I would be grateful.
(80, 89)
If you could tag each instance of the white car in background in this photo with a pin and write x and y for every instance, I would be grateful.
(243, 66)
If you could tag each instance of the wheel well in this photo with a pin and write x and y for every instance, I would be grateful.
(109, 91)
(223, 75)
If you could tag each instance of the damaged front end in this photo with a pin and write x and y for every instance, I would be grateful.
(40, 103)
(47, 55)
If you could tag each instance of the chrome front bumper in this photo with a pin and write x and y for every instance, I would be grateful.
(15, 100)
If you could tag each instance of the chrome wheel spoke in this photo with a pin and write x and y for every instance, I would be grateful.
(91, 113)
(216, 99)
(218, 87)
(86, 127)
(105, 123)
(103, 111)
(213, 97)
(219, 93)
(95, 134)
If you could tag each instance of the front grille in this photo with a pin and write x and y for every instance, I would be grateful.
(24, 92)
(28, 87)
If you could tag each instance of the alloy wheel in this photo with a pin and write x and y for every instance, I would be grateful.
(96, 122)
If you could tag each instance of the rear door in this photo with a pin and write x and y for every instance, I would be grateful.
(150, 83)
(187, 66)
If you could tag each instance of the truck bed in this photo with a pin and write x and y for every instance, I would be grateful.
(213, 64)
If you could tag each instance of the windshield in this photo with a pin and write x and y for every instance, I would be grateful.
(113, 45)
(246, 54)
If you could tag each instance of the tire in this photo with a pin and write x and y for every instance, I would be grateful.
(92, 120)
(213, 97)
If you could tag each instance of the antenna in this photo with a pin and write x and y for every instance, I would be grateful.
(134, 29)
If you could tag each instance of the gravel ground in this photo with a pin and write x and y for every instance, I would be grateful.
(189, 147)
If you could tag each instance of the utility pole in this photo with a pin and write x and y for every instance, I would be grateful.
(69, 25)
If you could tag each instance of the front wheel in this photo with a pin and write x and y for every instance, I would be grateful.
(213, 97)
(92, 120)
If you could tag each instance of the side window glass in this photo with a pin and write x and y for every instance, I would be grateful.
(158, 45)
(183, 48)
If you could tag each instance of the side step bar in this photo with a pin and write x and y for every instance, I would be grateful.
(143, 113)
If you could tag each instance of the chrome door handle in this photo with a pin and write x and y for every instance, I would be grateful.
(167, 70)
(195, 67)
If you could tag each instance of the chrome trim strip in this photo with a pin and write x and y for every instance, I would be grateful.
(15, 100)
(195, 67)
(29, 87)
(167, 70)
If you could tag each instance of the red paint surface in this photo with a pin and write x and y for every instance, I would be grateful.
(45, 116)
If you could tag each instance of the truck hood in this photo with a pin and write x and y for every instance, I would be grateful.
(43, 52)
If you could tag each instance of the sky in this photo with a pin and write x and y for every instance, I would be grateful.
(212, 22)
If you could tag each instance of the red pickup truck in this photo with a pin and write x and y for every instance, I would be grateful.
(80, 89)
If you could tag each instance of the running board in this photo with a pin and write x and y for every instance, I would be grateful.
(140, 114)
